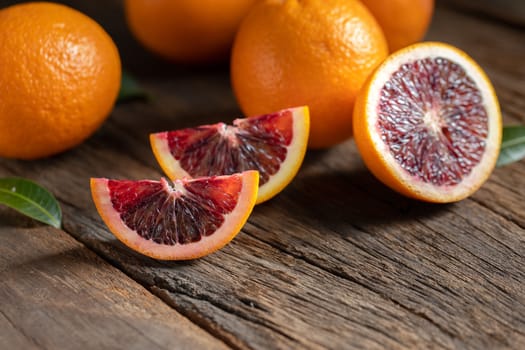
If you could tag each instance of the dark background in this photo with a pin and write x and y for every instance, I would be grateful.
(141, 62)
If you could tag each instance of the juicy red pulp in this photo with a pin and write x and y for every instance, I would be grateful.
(431, 116)
(221, 149)
(168, 217)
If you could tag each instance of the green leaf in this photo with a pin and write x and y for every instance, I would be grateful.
(31, 200)
(512, 145)
(130, 89)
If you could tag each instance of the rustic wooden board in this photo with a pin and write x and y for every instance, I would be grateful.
(57, 294)
(337, 260)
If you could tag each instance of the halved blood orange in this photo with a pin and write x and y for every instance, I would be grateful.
(187, 219)
(428, 124)
(273, 144)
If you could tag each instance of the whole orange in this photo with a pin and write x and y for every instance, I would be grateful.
(59, 79)
(404, 22)
(307, 52)
(187, 31)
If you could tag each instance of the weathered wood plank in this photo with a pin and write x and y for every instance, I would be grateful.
(393, 262)
(57, 294)
(12, 337)
(337, 260)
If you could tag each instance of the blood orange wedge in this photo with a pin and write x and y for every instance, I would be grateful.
(428, 124)
(187, 219)
(273, 144)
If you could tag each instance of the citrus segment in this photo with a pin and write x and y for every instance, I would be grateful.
(187, 219)
(428, 123)
(273, 144)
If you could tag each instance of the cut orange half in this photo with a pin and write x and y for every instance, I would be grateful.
(428, 123)
(273, 144)
(186, 219)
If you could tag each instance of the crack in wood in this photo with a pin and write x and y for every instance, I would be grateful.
(20, 330)
(481, 273)
(296, 256)
(117, 264)
(408, 267)
(464, 248)
(352, 279)
(504, 217)
(165, 285)
(198, 319)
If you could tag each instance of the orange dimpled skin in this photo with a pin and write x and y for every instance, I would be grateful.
(315, 52)
(404, 22)
(59, 79)
(187, 31)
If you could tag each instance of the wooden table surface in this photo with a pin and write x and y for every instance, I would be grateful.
(336, 261)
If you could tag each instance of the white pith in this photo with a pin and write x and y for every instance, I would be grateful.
(486, 164)
(433, 122)
(175, 189)
(160, 147)
(228, 132)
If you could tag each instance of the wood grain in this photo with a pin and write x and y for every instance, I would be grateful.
(57, 294)
(336, 261)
